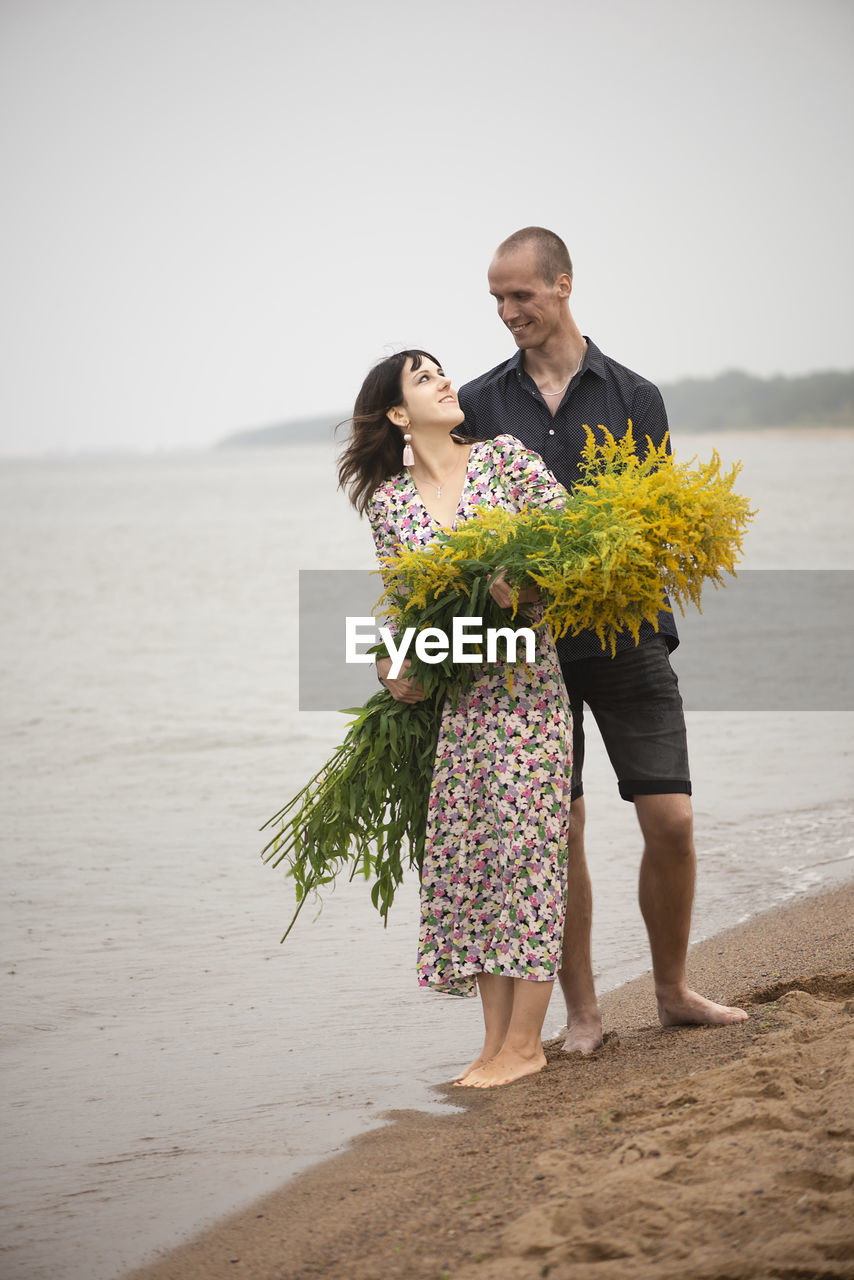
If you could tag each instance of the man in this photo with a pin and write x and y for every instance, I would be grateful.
(557, 383)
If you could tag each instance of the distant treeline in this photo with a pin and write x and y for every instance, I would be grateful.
(736, 400)
(297, 431)
(731, 401)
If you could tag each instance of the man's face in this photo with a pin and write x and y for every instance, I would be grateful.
(531, 309)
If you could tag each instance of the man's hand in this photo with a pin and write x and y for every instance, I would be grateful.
(401, 689)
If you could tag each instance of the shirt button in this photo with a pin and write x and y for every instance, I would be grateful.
(551, 431)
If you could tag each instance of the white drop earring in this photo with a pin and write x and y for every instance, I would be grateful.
(408, 455)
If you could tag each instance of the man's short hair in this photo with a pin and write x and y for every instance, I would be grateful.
(552, 255)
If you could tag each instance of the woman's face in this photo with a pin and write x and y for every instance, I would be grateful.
(429, 400)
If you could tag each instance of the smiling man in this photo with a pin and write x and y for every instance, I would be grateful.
(556, 384)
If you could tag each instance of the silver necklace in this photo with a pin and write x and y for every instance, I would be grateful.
(437, 487)
(571, 376)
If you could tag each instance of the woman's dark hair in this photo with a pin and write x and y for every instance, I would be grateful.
(374, 450)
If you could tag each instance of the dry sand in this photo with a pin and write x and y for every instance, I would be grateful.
(681, 1154)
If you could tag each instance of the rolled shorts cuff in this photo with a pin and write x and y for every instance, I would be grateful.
(653, 787)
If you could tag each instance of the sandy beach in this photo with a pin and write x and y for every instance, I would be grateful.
(686, 1152)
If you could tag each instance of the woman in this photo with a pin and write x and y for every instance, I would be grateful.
(493, 878)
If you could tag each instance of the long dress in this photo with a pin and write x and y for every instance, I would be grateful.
(494, 874)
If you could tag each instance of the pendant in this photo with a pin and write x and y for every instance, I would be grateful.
(439, 491)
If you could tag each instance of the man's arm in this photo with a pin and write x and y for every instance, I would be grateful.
(466, 402)
(649, 418)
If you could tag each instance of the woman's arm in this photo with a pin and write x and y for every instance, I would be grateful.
(387, 543)
(527, 483)
(526, 478)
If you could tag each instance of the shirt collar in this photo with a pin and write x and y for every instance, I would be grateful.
(515, 366)
(594, 361)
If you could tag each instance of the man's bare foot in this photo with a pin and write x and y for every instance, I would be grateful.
(583, 1034)
(679, 1007)
(502, 1069)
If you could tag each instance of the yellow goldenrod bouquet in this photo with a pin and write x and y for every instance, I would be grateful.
(632, 531)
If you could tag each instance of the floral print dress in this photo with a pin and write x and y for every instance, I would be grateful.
(494, 874)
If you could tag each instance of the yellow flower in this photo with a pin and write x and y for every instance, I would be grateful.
(633, 529)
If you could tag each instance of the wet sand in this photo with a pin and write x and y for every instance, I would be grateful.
(686, 1152)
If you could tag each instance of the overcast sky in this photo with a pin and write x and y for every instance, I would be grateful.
(219, 213)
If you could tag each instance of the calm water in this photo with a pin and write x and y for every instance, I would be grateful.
(163, 1059)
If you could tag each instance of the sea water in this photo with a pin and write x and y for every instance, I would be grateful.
(163, 1059)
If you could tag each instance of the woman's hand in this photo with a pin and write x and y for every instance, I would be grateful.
(502, 593)
(401, 689)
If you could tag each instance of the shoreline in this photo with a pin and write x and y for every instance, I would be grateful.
(685, 1151)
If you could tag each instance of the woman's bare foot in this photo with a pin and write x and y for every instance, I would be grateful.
(480, 1061)
(502, 1069)
(680, 1006)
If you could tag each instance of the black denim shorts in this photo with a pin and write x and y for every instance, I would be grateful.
(635, 701)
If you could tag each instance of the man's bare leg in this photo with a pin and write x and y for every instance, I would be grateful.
(583, 1019)
(666, 893)
(521, 1054)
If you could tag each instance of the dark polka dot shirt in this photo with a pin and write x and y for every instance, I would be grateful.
(507, 401)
